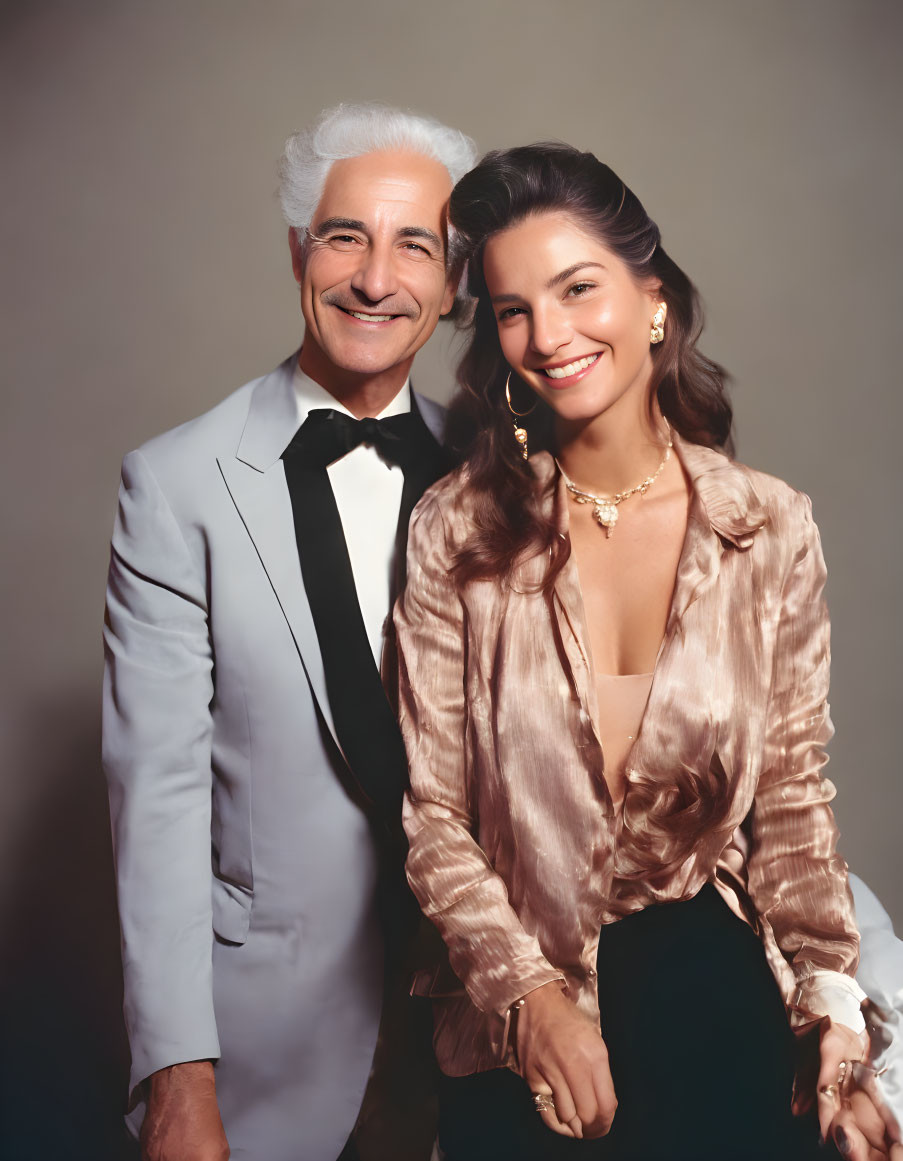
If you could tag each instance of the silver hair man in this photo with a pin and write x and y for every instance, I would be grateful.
(256, 801)
(350, 130)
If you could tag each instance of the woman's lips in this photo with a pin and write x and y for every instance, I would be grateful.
(564, 374)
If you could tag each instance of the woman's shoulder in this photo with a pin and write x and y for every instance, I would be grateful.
(450, 499)
(785, 519)
(784, 504)
(445, 510)
(743, 502)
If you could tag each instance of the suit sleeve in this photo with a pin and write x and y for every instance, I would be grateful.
(454, 881)
(797, 880)
(157, 758)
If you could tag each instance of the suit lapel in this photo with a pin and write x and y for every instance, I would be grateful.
(433, 415)
(255, 479)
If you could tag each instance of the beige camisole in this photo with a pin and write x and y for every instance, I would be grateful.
(621, 702)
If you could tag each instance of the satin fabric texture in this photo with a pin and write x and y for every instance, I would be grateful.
(517, 853)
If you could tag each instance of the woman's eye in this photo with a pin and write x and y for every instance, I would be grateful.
(510, 312)
(580, 288)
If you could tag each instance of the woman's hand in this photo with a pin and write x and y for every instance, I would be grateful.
(850, 1112)
(563, 1055)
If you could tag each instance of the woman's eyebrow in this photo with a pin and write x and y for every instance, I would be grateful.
(565, 274)
(553, 282)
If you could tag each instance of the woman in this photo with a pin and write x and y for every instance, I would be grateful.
(614, 666)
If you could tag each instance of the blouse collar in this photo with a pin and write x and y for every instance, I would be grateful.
(724, 488)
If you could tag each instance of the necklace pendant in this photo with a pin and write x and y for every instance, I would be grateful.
(606, 515)
(605, 508)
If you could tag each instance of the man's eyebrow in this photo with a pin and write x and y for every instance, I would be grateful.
(563, 276)
(340, 224)
(422, 232)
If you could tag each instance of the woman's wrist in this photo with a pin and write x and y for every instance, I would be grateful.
(541, 997)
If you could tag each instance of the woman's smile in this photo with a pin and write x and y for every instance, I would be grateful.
(564, 374)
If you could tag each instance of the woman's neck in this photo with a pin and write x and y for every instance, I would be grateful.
(612, 452)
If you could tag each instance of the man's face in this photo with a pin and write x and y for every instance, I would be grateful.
(373, 277)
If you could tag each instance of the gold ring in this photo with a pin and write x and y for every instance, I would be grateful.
(543, 1102)
(846, 1074)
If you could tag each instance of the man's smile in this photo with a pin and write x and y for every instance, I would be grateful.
(368, 317)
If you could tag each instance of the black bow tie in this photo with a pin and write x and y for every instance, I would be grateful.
(327, 435)
(365, 724)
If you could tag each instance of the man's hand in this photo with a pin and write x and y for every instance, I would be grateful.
(854, 1116)
(182, 1122)
(562, 1054)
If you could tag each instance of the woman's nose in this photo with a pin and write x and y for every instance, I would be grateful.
(550, 331)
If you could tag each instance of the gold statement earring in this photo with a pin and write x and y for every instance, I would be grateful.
(658, 324)
(520, 433)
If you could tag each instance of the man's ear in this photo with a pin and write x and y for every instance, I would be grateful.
(297, 249)
(451, 289)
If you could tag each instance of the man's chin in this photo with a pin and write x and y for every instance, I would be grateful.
(368, 358)
(366, 353)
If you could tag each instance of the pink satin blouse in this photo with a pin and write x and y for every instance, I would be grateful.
(517, 853)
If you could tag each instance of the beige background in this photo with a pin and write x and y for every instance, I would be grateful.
(146, 274)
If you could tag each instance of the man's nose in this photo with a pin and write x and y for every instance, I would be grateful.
(376, 276)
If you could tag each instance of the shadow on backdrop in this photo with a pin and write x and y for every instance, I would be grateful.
(63, 1054)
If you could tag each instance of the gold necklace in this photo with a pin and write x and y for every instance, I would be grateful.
(605, 508)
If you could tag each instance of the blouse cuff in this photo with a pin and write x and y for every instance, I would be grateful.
(526, 983)
(510, 1013)
(827, 993)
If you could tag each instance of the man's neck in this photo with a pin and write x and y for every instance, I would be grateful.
(362, 394)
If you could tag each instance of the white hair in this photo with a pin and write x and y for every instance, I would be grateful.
(351, 131)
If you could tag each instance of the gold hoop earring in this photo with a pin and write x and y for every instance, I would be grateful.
(520, 433)
(658, 324)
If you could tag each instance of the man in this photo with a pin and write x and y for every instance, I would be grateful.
(255, 769)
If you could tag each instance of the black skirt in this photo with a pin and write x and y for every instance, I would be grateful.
(701, 1053)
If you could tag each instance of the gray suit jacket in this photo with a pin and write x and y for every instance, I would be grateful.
(246, 874)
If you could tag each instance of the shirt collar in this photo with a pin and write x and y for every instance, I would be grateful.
(310, 395)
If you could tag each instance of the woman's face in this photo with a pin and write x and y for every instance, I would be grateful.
(572, 321)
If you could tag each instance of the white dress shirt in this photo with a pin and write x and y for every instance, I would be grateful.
(367, 492)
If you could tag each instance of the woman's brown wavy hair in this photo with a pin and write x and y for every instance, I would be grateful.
(506, 187)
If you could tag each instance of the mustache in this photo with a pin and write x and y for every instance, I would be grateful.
(365, 305)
